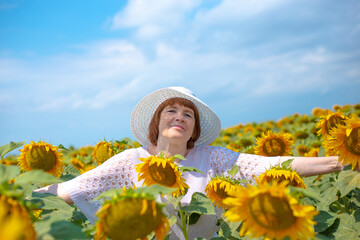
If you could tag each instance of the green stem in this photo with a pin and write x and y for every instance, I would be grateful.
(346, 204)
(185, 226)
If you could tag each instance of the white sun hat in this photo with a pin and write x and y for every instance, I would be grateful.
(145, 109)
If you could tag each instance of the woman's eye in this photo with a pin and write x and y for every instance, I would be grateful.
(188, 115)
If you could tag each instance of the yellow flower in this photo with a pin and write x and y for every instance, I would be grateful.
(275, 174)
(15, 222)
(102, 152)
(330, 121)
(234, 147)
(301, 134)
(314, 152)
(87, 168)
(131, 216)
(77, 163)
(345, 142)
(318, 112)
(274, 144)
(302, 149)
(163, 171)
(43, 156)
(245, 142)
(270, 211)
(220, 188)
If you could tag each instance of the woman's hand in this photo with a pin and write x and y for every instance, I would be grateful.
(56, 189)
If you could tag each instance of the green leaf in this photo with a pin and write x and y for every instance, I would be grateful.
(37, 176)
(9, 147)
(357, 215)
(234, 170)
(70, 172)
(57, 228)
(225, 229)
(51, 202)
(108, 194)
(179, 156)
(324, 221)
(172, 220)
(311, 193)
(348, 229)
(286, 164)
(189, 169)
(347, 181)
(199, 204)
(62, 147)
(321, 237)
(66, 230)
(8, 172)
(328, 197)
(155, 190)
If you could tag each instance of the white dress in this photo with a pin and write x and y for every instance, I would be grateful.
(119, 171)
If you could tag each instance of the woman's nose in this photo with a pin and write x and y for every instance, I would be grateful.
(179, 117)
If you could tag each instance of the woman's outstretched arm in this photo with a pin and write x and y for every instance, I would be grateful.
(56, 189)
(310, 166)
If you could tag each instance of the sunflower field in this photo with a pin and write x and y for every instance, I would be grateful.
(279, 204)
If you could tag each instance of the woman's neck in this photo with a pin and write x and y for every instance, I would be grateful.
(168, 149)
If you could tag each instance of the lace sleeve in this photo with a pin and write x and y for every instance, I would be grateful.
(116, 172)
(249, 165)
(221, 160)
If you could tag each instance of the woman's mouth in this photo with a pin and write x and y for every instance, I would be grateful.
(178, 127)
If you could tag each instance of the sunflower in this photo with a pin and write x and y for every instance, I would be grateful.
(345, 142)
(163, 171)
(43, 156)
(318, 112)
(302, 149)
(269, 210)
(234, 147)
(102, 152)
(277, 174)
(274, 144)
(301, 134)
(15, 222)
(87, 168)
(131, 216)
(330, 121)
(220, 188)
(314, 152)
(77, 163)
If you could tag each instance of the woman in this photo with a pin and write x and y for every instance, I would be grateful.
(174, 121)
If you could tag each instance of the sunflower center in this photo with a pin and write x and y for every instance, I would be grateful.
(352, 142)
(103, 153)
(40, 158)
(127, 220)
(271, 212)
(274, 147)
(332, 122)
(221, 192)
(164, 176)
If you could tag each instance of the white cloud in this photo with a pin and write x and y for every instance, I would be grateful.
(196, 52)
(153, 18)
(234, 10)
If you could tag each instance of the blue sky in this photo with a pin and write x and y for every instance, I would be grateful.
(72, 71)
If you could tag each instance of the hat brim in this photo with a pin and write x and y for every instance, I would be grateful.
(145, 109)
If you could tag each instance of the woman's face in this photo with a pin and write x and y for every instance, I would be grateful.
(176, 123)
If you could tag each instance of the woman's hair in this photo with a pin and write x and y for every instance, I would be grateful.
(154, 124)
